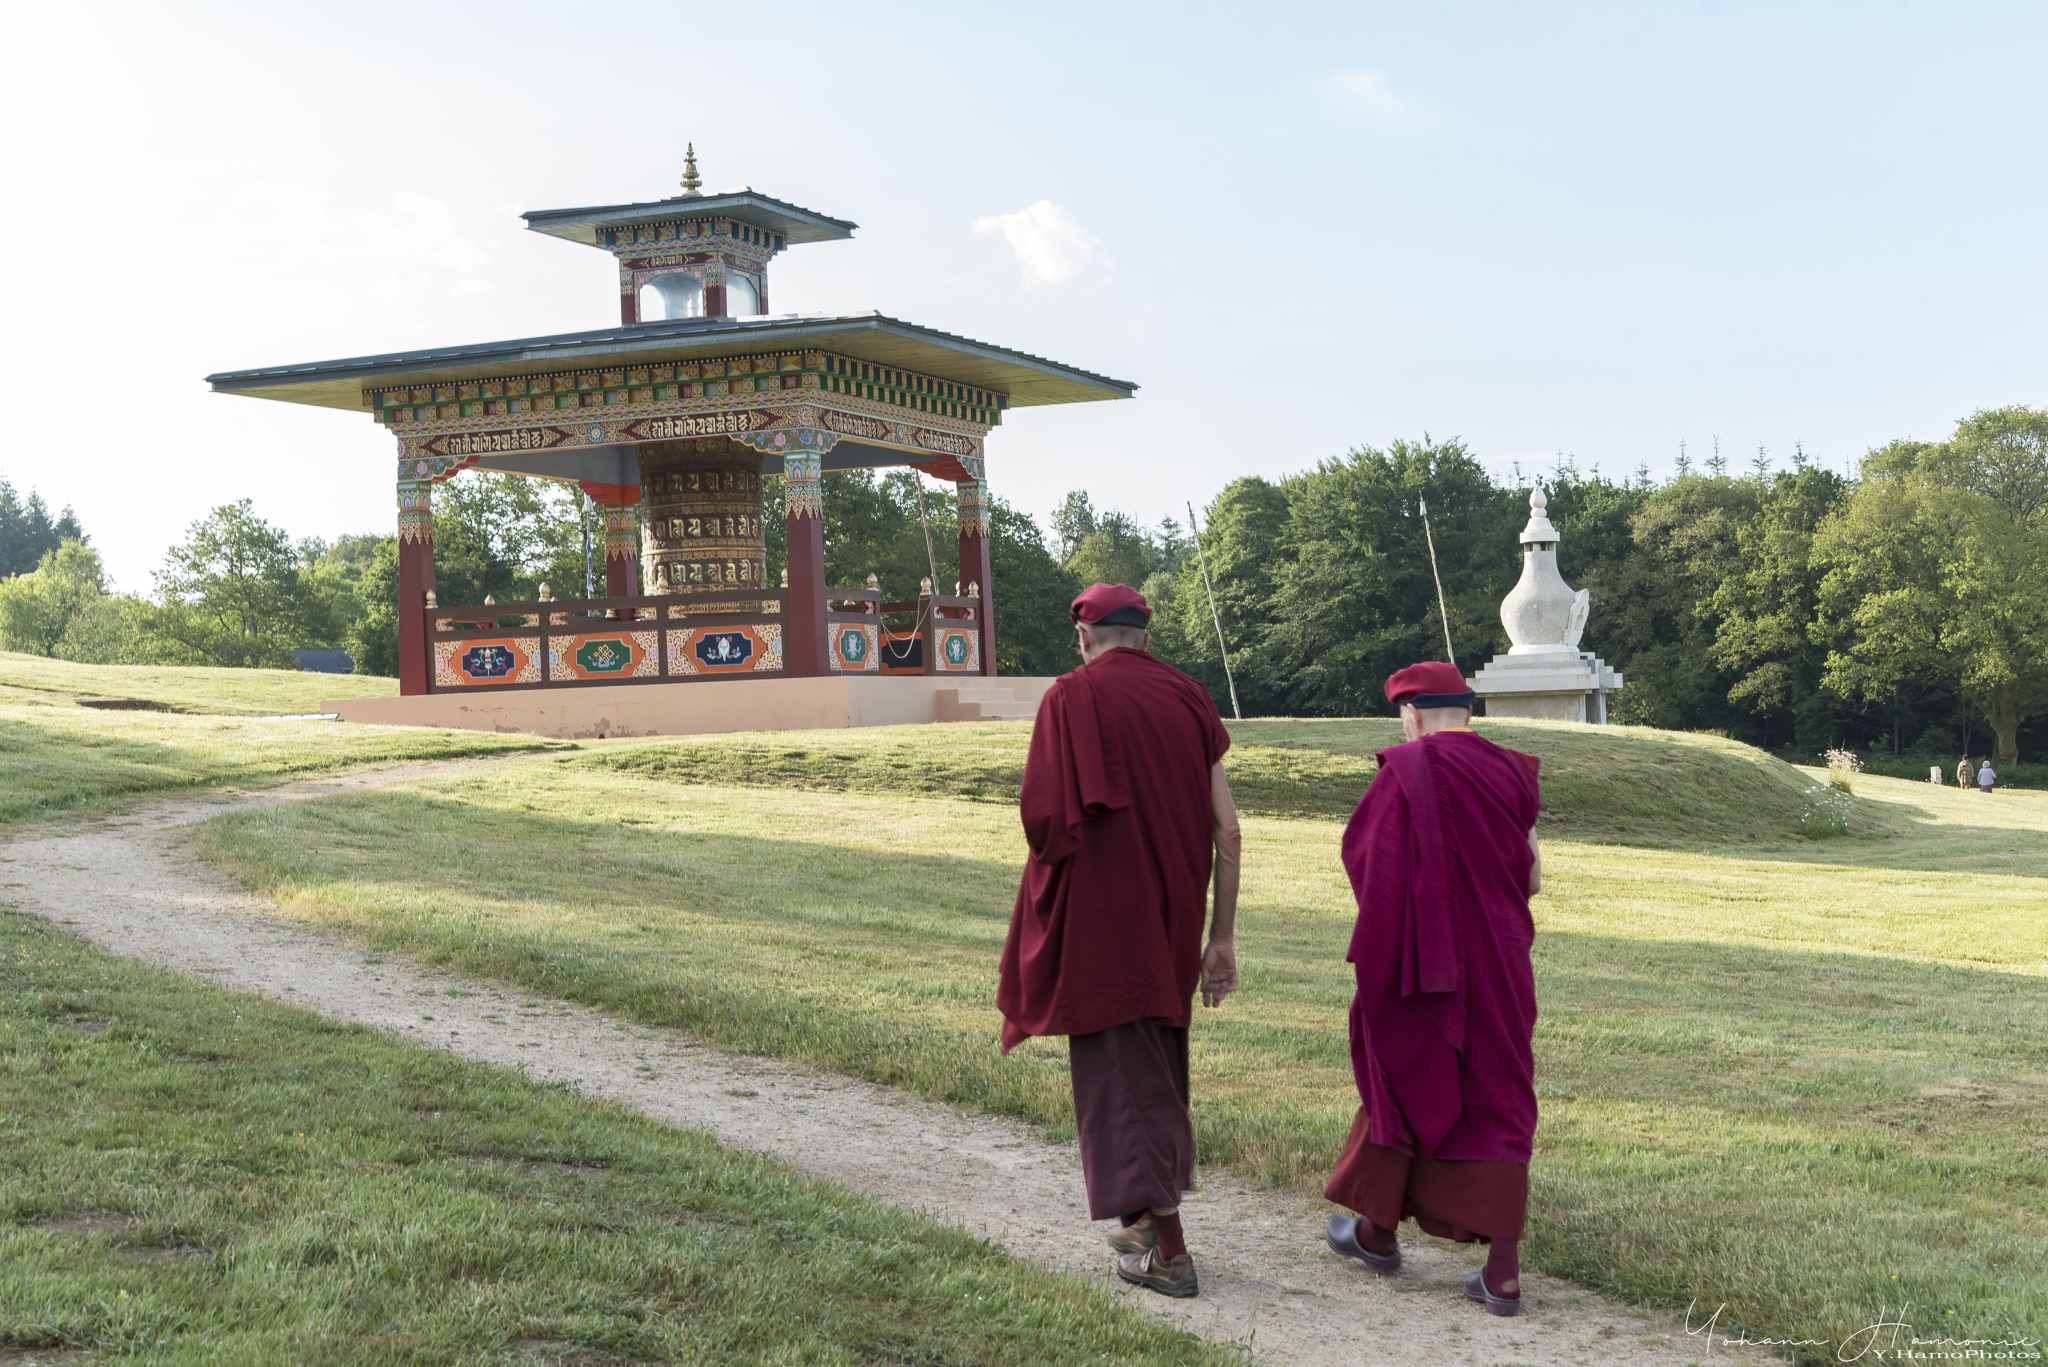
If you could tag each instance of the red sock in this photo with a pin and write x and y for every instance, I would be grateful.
(1128, 1220)
(1504, 1267)
(1172, 1243)
(1378, 1238)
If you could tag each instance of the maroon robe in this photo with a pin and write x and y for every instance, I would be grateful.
(1441, 1026)
(1105, 942)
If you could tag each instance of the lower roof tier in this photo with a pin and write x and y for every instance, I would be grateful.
(906, 355)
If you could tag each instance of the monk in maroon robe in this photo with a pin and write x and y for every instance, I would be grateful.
(1442, 856)
(1124, 804)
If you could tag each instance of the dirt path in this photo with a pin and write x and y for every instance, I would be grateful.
(126, 882)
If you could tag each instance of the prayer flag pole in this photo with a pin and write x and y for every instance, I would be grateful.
(1195, 530)
(1442, 611)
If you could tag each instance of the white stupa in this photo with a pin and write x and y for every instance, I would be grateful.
(1544, 673)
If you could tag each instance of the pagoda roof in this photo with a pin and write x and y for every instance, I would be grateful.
(1023, 379)
(794, 223)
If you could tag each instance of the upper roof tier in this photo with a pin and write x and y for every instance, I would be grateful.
(1020, 378)
(791, 223)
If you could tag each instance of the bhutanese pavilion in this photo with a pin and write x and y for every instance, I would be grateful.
(673, 421)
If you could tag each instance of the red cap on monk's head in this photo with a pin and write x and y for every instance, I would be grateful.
(1429, 684)
(1111, 605)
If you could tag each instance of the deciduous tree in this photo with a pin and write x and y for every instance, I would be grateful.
(1938, 570)
(233, 593)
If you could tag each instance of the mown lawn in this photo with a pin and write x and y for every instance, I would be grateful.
(1805, 1079)
(204, 728)
(1685, 788)
(189, 1176)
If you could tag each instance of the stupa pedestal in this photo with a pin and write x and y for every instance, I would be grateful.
(1570, 686)
(1544, 673)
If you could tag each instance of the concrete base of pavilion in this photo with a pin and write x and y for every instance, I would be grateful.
(599, 711)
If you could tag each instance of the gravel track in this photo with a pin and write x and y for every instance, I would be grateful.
(126, 882)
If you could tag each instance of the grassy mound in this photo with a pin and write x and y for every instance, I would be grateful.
(1625, 785)
(177, 728)
(179, 688)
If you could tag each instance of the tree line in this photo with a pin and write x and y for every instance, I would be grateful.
(1902, 609)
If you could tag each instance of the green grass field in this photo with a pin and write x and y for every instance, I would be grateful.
(1809, 1079)
(205, 728)
(190, 1176)
(1805, 1078)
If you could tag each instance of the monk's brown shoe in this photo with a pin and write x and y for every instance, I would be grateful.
(1167, 1276)
(1141, 1237)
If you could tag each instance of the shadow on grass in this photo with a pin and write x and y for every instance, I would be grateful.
(214, 1177)
(79, 760)
(1782, 1130)
(51, 771)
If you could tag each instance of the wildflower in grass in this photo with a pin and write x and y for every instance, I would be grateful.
(1827, 812)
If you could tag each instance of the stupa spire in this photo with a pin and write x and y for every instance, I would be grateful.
(692, 184)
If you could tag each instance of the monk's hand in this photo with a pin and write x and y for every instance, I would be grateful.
(1219, 972)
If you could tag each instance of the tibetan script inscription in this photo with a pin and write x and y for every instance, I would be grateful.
(942, 441)
(486, 443)
(699, 425)
(854, 426)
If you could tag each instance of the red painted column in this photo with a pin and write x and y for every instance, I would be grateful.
(803, 631)
(415, 582)
(974, 565)
(622, 549)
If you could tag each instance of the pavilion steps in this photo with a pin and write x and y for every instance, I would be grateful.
(984, 702)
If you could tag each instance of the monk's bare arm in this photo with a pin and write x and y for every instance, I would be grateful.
(1535, 864)
(1219, 960)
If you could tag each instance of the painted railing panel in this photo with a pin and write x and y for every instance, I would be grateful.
(571, 643)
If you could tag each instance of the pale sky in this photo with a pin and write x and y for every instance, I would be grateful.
(1600, 229)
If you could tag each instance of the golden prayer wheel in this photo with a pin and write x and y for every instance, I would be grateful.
(700, 517)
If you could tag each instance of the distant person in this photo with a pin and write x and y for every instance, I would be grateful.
(1985, 778)
(1442, 856)
(1963, 773)
(1124, 804)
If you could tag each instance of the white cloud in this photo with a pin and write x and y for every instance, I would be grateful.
(1049, 241)
(1365, 92)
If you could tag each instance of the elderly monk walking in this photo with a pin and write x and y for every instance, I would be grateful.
(1124, 804)
(1442, 856)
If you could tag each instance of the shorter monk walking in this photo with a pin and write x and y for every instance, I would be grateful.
(1963, 774)
(1443, 860)
(1124, 803)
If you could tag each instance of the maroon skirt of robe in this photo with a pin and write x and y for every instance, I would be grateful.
(1131, 1114)
(1462, 1199)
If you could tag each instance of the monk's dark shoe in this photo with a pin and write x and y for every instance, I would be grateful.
(1476, 1290)
(1167, 1276)
(1343, 1238)
(1141, 1237)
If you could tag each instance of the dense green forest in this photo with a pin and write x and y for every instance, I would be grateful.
(1902, 611)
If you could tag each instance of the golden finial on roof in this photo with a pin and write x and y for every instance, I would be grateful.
(692, 184)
